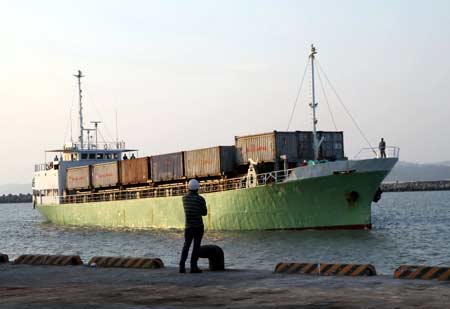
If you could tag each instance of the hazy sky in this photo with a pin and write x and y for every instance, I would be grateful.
(188, 74)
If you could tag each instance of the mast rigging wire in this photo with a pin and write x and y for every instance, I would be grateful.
(70, 117)
(326, 100)
(297, 97)
(345, 108)
(99, 115)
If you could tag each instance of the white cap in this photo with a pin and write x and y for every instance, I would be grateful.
(193, 184)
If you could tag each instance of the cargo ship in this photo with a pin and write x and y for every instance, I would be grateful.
(269, 181)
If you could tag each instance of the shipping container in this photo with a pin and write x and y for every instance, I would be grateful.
(332, 147)
(134, 171)
(78, 178)
(267, 147)
(212, 161)
(105, 175)
(167, 167)
(305, 145)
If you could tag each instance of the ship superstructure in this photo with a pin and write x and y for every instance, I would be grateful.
(49, 180)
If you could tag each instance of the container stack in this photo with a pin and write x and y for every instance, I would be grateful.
(296, 146)
(272, 151)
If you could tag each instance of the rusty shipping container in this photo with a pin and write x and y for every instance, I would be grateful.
(267, 147)
(78, 178)
(134, 171)
(167, 167)
(332, 147)
(105, 175)
(212, 161)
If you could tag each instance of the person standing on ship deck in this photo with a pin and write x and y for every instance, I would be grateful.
(382, 147)
(194, 208)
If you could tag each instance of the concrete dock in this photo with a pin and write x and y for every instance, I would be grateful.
(26, 286)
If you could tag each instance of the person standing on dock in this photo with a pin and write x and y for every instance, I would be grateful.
(194, 208)
(382, 147)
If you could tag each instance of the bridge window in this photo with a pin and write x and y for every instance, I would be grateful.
(99, 156)
(84, 156)
(92, 156)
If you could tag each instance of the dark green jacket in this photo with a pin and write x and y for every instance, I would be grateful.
(194, 208)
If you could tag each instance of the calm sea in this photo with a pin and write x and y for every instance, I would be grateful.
(408, 228)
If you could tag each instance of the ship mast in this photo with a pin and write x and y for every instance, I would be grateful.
(313, 104)
(79, 76)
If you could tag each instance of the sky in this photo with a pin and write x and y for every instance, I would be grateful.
(190, 74)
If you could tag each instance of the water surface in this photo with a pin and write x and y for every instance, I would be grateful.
(408, 228)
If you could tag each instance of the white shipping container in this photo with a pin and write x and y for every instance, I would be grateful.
(105, 175)
(78, 178)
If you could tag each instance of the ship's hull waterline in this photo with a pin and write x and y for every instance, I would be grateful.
(317, 202)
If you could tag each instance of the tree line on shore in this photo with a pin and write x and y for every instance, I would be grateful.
(15, 198)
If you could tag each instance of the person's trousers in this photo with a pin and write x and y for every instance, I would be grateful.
(195, 234)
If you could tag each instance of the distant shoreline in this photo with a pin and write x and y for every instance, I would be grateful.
(15, 198)
(410, 186)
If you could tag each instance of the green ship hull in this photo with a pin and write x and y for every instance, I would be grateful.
(315, 202)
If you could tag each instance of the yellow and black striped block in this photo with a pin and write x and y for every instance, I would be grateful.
(295, 268)
(324, 269)
(41, 259)
(128, 262)
(422, 272)
(347, 270)
(4, 258)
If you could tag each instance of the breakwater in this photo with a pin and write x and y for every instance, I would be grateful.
(15, 198)
(439, 185)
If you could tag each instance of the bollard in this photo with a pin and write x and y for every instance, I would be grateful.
(56, 260)
(4, 258)
(125, 262)
(215, 256)
(422, 272)
(324, 269)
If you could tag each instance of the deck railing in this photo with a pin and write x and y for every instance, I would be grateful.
(174, 190)
(43, 167)
(371, 153)
(100, 146)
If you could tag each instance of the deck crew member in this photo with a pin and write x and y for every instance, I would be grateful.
(194, 208)
(382, 147)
